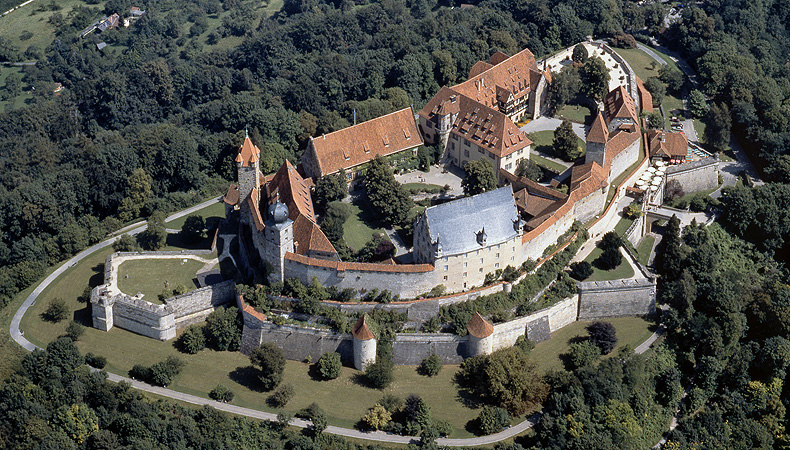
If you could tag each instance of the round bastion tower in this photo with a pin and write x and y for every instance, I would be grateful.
(480, 339)
(279, 239)
(364, 344)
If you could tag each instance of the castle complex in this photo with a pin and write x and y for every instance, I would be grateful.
(455, 244)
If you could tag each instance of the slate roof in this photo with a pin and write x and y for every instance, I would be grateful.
(456, 224)
(361, 143)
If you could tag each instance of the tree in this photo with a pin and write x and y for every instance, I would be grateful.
(126, 243)
(223, 329)
(194, 229)
(155, 236)
(603, 335)
(595, 78)
(417, 411)
(75, 330)
(163, 372)
(697, 103)
(492, 419)
(431, 366)
(579, 54)
(380, 373)
(332, 223)
(673, 190)
(270, 361)
(565, 144)
(564, 87)
(56, 310)
(329, 365)
(389, 200)
(64, 354)
(282, 395)
(77, 421)
(633, 211)
(138, 191)
(529, 169)
(718, 125)
(581, 270)
(674, 79)
(479, 177)
(377, 249)
(656, 88)
(582, 354)
(221, 394)
(654, 120)
(192, 340)
(377, 417)
(330, 188)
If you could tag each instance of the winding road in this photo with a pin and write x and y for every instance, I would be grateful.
(18, 336)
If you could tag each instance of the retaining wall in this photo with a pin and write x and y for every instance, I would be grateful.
(695, 176)
(538, 325)
(617, 298)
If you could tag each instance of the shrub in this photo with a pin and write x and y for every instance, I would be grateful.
(492, 420)
(582, 354)
(192, 340)
(95, 361)
(165, 294)
(193, 229)
(391, 403)
(377, 417)
(221, 394)
(281, 396)
(380, 373)
(431, 366)
(270, 361)
(417, 411)
(603, 335)
(581, 270)
(126, 243)
(162, 373)
(223, 329)
(180, 289)
(443, 427)
(329, 365)
(56, 310)
(75, 331)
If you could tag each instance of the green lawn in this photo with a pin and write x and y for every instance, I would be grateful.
(576, 113)
(546, 163)
(622, 226)
(699, 127)
(630, 331)
(624, 270)
(644, 248)
(211, 213)
(418, 188)
(358, 229)
(152, 276)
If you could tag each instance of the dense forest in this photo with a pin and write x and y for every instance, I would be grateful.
(151, 124)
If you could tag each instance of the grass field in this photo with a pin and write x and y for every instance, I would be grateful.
(644, 248)
(211, 213)
(576, 113)
(622, 226)
(152, 276)
(547, 163)
(547, 354)
(624, 270)
(359, 227)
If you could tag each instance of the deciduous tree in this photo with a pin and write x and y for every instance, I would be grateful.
(479, 177)
(270, 361)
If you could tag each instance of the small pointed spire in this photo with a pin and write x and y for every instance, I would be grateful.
(246, 131)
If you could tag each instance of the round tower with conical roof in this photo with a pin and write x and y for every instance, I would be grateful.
(480, 339)
(364, 344)
(248, 165)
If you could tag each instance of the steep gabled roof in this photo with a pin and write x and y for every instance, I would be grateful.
(645, 97)
(248, 153)
(488, 128)
(586, 178)
(478, 68)
(253, 202)
(667, 144)
(309, 237)
(232, 196)
(512, 73)
(479, 327)
(621, 139)
(292, 190)
(446, 101)
(618, 104)
(361, 143)
(598, 132)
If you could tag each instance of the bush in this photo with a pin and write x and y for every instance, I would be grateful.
(162, 373)
(581, 270)
(270, 361)
(192, 340)
(391, 403)
(95, 361)
(75, 331)
(603, 335)
(431, 366)
(582, 354)
(194, 229)
(221, 394)
(126, 244)
(377, 417)
(56, 310)
(492, 420)
(281, 396)
(380, 373)
(329, 365)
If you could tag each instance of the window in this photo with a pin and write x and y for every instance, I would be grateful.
(452, 145)
(445, 278)
(464, 274)
(465, 263)
(480, 270)
(479, 149)
(496, 265)
(466, 153)
(508, 166)
(490, 155)
(497, 255)
(481, 260)
(446, 268)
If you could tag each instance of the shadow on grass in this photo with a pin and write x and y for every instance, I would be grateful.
(176, 240)
(83, 316)
(247, 377)
(98, 276)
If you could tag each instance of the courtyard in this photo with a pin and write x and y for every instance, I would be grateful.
(151, 277)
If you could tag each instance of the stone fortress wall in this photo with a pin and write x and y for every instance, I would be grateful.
(110, 307)
(695, 176)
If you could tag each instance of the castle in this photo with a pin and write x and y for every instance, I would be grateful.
(455, 244)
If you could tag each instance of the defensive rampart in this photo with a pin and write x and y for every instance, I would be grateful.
(110, 307)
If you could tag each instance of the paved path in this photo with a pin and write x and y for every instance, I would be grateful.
(18, 336)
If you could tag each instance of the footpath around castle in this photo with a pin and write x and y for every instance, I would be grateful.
(271, 233)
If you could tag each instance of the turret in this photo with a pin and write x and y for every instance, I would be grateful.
(279, 239)
(480, 331)
(248, 166)
(364, 344)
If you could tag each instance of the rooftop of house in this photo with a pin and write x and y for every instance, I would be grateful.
(290, 187)
(361, 331)
(618, 104)
(645, 97)
(598, 132)
(667, 144)
(488, 128)
(361, 143)
(474, 222)
(511, 73)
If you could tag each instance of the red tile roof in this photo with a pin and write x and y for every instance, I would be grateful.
(645, 97)
(619, 104)
(512, 73)
(292, 190)
(248, 153)
(361, 143)
(309, 237)
(232, 197)
(444, 102)
(667, 144)
(253, 201)
(620, 140)
(478, 68)
(488, 128)
(598, 132)
(479, 327)
(361, 331)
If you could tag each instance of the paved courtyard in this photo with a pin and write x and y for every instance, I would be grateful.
(438, 175)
